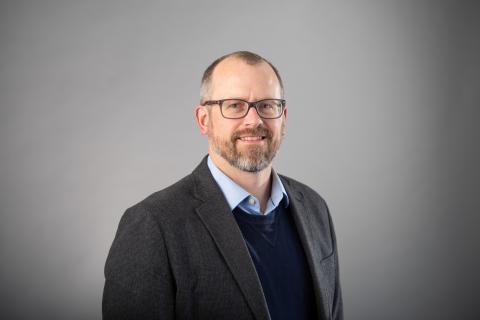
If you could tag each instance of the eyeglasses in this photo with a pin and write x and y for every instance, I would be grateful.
(237, 108)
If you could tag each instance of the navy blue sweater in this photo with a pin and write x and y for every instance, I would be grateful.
(280, 261)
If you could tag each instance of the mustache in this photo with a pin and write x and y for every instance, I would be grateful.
(258, 131)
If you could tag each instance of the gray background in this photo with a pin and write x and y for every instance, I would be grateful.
(96, 113)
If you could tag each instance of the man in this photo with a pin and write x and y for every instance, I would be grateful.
(232, 240)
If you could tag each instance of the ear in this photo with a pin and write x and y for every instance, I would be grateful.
(285, 111)
(202, 116)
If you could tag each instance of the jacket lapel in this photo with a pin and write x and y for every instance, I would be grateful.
(310, 240)
(218, 219)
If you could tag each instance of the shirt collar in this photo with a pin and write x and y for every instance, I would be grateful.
(234, 194)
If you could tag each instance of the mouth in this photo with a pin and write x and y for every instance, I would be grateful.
(256, 136)
(251, 139)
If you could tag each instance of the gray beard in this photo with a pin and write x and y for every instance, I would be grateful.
(254, 162)
(255, 158)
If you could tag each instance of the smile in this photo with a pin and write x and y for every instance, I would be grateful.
(252, 138)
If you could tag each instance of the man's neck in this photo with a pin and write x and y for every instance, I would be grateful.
(258, 184)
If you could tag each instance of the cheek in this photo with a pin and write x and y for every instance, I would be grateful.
(279, 129)
(220, 129)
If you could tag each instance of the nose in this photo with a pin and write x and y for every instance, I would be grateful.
(252, 118)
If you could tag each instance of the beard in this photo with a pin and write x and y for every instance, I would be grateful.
(253, 158)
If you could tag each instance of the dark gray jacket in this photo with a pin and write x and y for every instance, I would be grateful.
(179, 254)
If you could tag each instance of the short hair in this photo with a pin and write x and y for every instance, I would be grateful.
(246, 56)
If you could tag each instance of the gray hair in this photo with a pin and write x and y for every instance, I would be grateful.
(246, 56)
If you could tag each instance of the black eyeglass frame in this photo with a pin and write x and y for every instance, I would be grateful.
(250, 105)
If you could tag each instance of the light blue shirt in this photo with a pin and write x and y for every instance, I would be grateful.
(238, 197)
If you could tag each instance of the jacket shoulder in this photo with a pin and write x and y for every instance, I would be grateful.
(299, 187)
(180, 195)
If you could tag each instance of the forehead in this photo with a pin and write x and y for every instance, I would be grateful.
(235, 78)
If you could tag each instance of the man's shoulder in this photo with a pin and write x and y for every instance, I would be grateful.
(297, 186)
(304, 193)
(173, 199)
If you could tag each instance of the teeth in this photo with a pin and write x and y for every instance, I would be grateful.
(250, 138)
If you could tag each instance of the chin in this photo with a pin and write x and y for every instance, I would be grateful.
(250, 164)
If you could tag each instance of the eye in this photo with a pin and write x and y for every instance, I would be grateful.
(266, 106)
(234, 105)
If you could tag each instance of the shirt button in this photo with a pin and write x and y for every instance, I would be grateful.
(251, 201)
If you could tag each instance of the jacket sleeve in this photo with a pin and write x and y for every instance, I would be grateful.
(138, 279)
(337, 307)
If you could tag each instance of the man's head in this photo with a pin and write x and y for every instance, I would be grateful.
(245, 56)
(248, 143)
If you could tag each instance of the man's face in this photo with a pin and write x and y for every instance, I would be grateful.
(249, 143)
